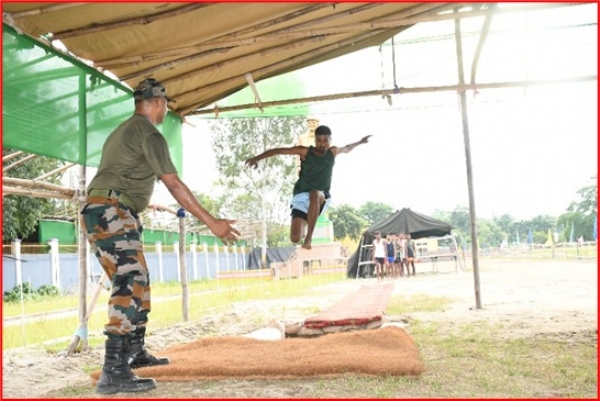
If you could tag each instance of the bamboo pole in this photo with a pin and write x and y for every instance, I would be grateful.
(242, 59)
(12, 155)
(396, 22)
(212, 43)
(95, 296)
(164, 208)
(81, 334)
(143, 20)
(223, 64)
(465, 123)
(18, 162)
(58, 170)
(258, 73)
(45, 10)
(35, 194)
(401, 91)
(290, 33)
(186, 50)
(484, 33)
(185, 304)
(33, 184)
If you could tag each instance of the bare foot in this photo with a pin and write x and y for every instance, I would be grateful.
(306, 245)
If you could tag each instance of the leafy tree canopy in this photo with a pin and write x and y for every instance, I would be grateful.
(374, 212)
(20, 214)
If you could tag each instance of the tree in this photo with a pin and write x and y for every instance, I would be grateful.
(489, 233)
(588, 202)
(505, 223)
(583, 212)
(575, 220)
(459, 219)
(347, 222)
(542, 223)
(20, 214)
(265, 192)
(374, 212)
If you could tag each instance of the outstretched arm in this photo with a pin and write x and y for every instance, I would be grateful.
(345, 149)
(294, 150)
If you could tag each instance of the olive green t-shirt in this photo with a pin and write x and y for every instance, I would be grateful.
(315, 172)
(133, 156)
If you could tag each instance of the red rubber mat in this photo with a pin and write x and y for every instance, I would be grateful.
(361, 307)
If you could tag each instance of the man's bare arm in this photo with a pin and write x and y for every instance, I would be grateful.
(345, 149)
(220, 227)
(294, 150)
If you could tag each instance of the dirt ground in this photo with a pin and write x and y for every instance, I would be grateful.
(527, 299)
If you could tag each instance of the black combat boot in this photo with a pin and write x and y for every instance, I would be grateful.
(138, 357)
(117, 376)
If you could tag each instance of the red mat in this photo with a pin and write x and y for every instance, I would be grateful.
(361, 307)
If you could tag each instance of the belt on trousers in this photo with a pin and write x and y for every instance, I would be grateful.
(113, 194)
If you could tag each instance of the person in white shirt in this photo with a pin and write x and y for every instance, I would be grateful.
(379, 255)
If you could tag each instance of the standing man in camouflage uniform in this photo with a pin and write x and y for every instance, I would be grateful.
(134, 156)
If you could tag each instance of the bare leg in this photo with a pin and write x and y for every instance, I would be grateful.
(315, 201)
(296, 229)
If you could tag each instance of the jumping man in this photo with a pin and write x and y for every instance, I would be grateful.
(311, 192)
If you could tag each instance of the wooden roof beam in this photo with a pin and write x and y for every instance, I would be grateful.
(187, 50)
(484, 33)
(279, 65)
(143, 20)
(222, 64)
(45, 10)
(232, 42)
(385, 92)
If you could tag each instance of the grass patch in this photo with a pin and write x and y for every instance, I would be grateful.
(469, 360)
(417, 303)
(205, 297)
(473, 363)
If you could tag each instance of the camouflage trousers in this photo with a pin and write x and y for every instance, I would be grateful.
(114, 232)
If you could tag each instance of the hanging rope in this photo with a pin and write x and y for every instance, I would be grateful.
(381, 64)
(396, 89)
(387, 97)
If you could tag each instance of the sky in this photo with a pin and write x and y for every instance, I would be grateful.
(531, 148)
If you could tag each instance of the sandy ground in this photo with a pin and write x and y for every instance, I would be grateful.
(523, 298)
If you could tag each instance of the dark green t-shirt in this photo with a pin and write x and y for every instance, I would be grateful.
(133, 156)
(315, 172)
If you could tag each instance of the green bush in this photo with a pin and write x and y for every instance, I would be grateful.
(48, 290)
(14, 295)
(29, 293)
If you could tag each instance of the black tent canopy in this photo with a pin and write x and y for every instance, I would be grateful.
(403, 221)
(407, 221)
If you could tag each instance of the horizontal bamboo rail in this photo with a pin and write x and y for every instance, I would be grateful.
(401, 91)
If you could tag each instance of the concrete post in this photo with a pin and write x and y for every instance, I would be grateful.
(177, 258)
(54, 262)
(160, 261)
(205, 250)
(194, 260)
(16, 252)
